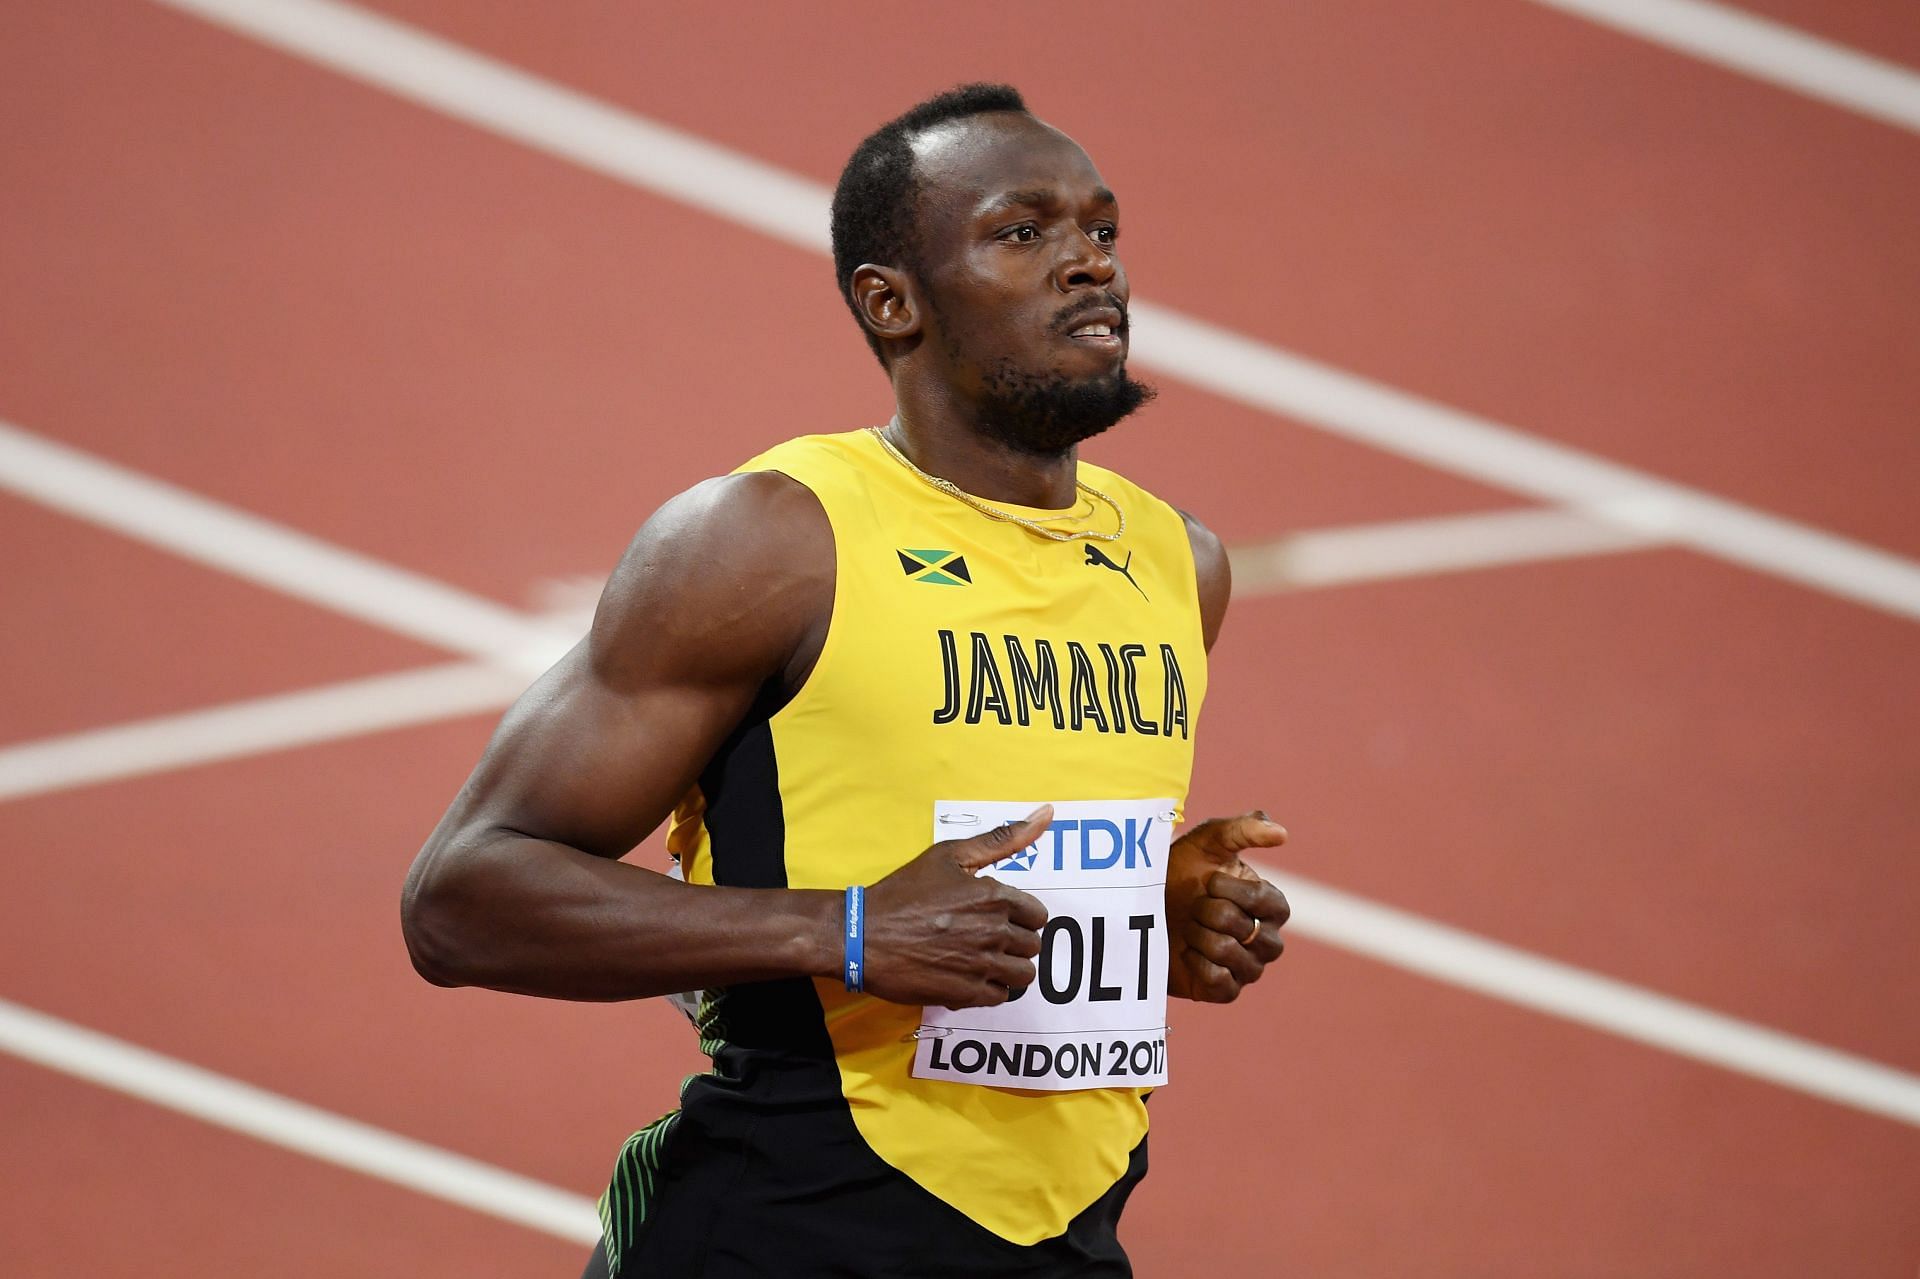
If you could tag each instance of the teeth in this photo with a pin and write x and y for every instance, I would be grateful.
(1094, 330)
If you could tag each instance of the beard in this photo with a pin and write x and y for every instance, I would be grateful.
(1046, 414)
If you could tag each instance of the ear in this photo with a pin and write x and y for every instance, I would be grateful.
(886, 301)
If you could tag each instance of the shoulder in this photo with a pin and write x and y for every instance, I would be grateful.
(818, 461)
(727, 580)
(1213, 575)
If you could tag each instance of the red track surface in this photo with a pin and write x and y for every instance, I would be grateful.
(300, 296)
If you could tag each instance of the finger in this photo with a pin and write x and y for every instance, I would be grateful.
(979, 994)
(1223, 951)
(992, 994)
(1256, 897)
(1251, 830)
(1224, 917)
(1001, 842)
(1024, 910)
(1022, 941)
(1260, 938)
(1014, 974)
(1267, 944)
(1209, 982)
(1227, 838)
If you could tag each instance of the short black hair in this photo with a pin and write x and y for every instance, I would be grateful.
(874, 203)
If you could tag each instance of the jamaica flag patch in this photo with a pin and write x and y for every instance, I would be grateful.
(942, 568)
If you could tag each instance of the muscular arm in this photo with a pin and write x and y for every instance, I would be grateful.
(725, 594)
(726, 589)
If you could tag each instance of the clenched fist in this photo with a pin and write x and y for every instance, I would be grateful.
(939, 934)
(1223, 920)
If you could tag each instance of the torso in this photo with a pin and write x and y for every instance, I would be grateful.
(966, 663)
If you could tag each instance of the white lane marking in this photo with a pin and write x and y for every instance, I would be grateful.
(257, 549)
(1459, 958)
(1395, 937)
(281, 1121)
(493, 95)
(1766, 50)
(1266, 377)
(1405, 548)
(1335, 556)
(1424, 946)
(255, 726)
(1432, 949)
(282, 721)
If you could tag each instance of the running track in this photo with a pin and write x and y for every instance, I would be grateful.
(253, 308)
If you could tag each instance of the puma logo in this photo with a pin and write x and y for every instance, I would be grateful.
(1097, 556)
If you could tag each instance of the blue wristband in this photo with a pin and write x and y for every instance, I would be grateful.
(856, 938)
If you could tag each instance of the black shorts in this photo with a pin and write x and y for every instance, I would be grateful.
(762, 1173)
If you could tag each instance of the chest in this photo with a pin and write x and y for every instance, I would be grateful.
(1015, 639)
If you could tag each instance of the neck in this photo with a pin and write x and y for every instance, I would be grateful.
(938, 434)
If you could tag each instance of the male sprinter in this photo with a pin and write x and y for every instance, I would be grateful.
(927, 1061)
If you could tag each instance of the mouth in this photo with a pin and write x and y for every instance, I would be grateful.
(1103, 329)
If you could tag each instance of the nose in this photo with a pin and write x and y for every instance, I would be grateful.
(1085, 262)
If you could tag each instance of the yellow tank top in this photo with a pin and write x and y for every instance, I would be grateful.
(967, 659)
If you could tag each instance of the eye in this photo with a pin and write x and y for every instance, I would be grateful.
(1105, 234)
(1025, 233)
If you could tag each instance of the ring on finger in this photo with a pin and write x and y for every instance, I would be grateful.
(1248, 939)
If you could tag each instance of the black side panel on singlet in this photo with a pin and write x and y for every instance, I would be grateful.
(747, 830)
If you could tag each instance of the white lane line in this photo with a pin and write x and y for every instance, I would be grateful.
(1766, 50)
(1354, 553)
(283, 721)
(1266, 377)
(256, 726)
(1441, 953)
(1459, 958)
(440, 74)
(1315, 558)
(1413, 942)
(470, 86)
(258, 550)
(282, 1121)
(1438, 951)
(1405, 548)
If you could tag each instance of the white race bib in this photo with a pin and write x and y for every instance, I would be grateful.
(1096, 1013)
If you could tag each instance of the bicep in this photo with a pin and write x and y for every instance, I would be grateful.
(596, 767)
(711, 603)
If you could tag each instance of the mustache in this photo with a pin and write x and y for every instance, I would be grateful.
(1078, 311)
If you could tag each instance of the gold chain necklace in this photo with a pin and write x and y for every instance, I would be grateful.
(1008, 517)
